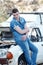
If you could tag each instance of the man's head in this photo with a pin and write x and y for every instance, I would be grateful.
(15, 13)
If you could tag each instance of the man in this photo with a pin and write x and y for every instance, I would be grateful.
(20, 30)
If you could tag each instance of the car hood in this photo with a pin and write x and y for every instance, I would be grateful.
(7, 22)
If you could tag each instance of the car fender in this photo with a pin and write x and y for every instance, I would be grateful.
(16, 51)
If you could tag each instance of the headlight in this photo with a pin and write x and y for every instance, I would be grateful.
(9, 55)
(3, 53)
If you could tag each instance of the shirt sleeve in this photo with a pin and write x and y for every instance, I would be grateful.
(13, 25)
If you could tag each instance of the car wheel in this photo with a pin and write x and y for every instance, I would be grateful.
(21, 60)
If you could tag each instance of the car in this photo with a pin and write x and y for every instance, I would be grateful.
(11, 51)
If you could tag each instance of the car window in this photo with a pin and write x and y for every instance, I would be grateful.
(36, 35)
(38, 32)
(33, 35)
(33, 32)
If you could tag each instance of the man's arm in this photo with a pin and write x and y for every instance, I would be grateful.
(21, 31)
(24, 37)
(26, 28)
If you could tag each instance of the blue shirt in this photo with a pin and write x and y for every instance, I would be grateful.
(21, 23)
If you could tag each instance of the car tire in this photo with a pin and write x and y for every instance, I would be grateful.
(21, 60)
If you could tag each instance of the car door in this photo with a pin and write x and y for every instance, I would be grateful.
(36, 39)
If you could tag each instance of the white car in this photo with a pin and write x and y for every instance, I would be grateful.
(10, 51)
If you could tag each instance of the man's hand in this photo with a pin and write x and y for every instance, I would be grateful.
(24, 37)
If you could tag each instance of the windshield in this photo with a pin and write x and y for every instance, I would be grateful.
(32, 17)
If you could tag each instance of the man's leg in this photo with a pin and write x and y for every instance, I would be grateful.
(34, 52)
(25, 47)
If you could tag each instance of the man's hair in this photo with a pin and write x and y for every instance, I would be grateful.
(15, 10)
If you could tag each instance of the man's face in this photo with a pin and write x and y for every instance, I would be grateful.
(16, 15)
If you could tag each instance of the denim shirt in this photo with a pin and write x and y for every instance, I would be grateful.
(17, 36)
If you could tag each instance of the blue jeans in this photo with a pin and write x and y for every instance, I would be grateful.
(26, 46)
